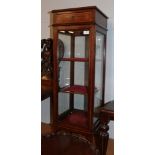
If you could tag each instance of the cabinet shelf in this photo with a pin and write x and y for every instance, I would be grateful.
(75, 89)
(76, 117)
(75, 59)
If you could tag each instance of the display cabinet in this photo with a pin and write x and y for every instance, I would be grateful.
(79, 74)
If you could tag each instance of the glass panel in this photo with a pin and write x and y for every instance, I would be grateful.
(99, 69)
(63, 104)
(76, 43)
(81, 42)
(80, 102)
(79, 75)
(64, 74)
(73, 111)
(66, 40)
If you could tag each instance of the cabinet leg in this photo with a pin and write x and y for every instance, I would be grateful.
(104, 137)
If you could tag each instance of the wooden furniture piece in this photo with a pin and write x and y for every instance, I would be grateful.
(66, 144)
(46, 89)
(46, 68)
(79, 76)
(105, 113)
(46, 76)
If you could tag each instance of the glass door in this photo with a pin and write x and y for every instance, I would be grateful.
(73, 77)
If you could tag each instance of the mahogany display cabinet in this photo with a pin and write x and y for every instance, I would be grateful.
(79, 73)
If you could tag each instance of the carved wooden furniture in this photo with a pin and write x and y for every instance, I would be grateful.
(46, 68)
(79, 76)
(46, 76)
(105, 113)
(46, 65)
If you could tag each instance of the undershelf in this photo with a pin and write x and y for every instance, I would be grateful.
(77, 118)
(77, 89)
(75, 59)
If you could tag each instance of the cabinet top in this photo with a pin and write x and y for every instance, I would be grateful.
(80, 9)
(79, 16)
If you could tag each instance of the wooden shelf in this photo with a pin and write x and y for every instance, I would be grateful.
(77, 118)
(75, 89)
(75, 59)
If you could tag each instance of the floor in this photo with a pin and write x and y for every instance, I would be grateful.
(110, 150)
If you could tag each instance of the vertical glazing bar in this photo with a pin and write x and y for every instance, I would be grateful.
(86, 71)
(55, 76)
(104, 69)
(91, 75)
(72, 70)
